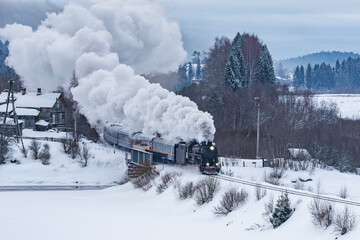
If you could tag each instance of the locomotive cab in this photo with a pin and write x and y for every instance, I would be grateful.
(210, 159)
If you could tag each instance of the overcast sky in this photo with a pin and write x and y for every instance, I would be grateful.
(289, 27)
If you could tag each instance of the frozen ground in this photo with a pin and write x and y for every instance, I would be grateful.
(349, 104)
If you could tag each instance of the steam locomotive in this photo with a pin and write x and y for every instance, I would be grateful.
(142, 149)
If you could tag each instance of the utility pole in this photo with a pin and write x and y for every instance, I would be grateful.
(16, 121)
(257, 99)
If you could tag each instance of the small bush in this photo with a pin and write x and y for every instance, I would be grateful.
(206, 189)
(343, 193)
(187, 191)
(259, 192)
(85, 155)
(344, 222)
(24, 151)
(44, 154)
(282, 211)
(231, 200)
(34, 149)
(269, 206)
(166, 180)
(125, 180)
(322, 213)
(145, 179)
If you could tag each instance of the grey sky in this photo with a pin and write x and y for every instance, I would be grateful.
(289, 27)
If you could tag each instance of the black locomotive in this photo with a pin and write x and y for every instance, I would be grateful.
(204, 154)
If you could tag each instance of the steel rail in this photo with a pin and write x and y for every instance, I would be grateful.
(288, 190)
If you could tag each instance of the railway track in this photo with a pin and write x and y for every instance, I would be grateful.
(288, 190)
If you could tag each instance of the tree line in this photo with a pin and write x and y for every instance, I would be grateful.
(345, 76)
(234, 73)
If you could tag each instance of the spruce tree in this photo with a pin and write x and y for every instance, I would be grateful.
(235, 67)
(198, 71)
(282, 211)
(296, 77)
(308, 77)
(265, 72)
(302, 77)
(190, 72)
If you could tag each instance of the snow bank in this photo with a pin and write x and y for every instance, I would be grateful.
(107, 44)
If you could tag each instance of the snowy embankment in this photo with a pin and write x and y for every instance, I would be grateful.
(105, 166)
(128, 213)
(349, 104)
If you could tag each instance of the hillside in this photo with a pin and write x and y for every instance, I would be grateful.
(320, 57)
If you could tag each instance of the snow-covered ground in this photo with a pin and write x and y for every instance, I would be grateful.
(349, 104)
(123, 212)
(105, 166)
(128, 213)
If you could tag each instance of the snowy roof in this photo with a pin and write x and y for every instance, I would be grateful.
(42, 123)
(299, 152)
(3, 108)
(27, 112)
(32, 100)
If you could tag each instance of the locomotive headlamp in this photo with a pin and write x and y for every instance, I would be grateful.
(207, 164)
(217, 164)
(212, 148)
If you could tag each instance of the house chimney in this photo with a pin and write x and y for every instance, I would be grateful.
(23, 91)
(38, 91)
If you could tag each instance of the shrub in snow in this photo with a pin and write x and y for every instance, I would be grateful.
(34, 149)
(166, 180)
(71, 145)
(343, 193)
(5, 142)
(24, 151)
(269, 206)
(206, 189)
(44, 154)
(85, 155)
(187, 191)
(282, 211)
(322, 213)
(259, 192)
(146, 175)
(231, 200)
(344, 221)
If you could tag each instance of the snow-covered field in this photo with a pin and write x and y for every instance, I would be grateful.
(104, 166)
(123, 212)
(349, 104)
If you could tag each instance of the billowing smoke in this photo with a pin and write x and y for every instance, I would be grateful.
(107, 44)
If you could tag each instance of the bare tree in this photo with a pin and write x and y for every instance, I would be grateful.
(35, 149)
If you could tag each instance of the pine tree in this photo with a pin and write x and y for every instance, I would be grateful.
(302, 77)
(265, 72)
(198, 71)
(183, 80)
(235, 67)
(308, 77)
(282, 211)
(296, 77)
(190, 72)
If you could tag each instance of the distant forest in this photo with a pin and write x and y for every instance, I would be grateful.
(344, 77)
(317, 58)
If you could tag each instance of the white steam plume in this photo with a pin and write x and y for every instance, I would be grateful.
(106, 43)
